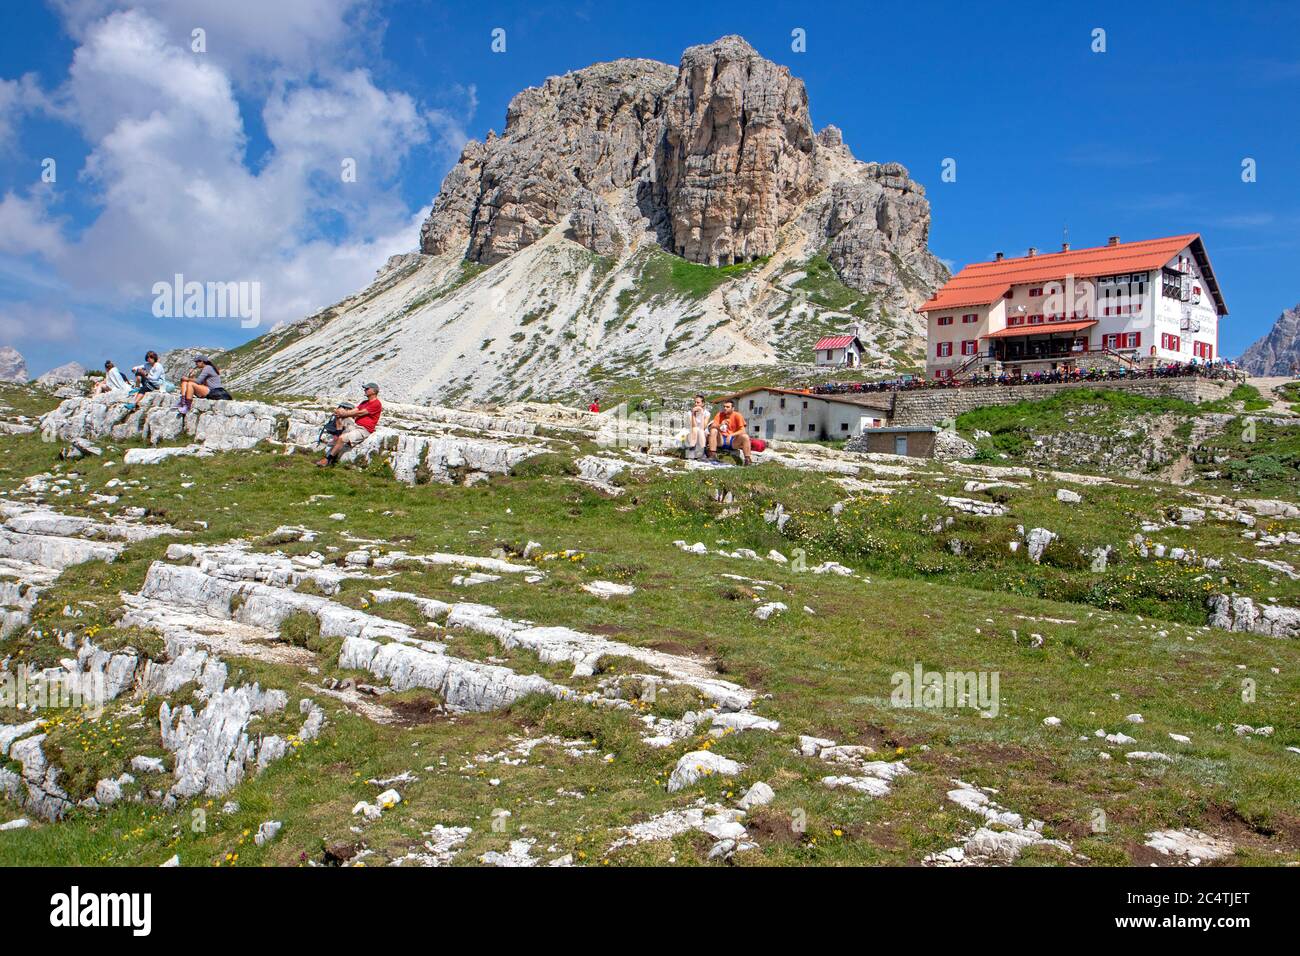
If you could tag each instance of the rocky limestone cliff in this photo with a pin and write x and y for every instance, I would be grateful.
(631, 218)
(736, 156)
(13, 367)
(714, 159)
(1278, 352)
(62, 375)
(592, 131)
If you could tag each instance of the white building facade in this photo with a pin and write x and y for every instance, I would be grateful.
(787, 415)
(1150, 301)
(838, 351)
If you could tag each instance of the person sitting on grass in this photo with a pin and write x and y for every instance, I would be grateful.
(203, 382)
(364, 419)
(727, 430)
(113, 381)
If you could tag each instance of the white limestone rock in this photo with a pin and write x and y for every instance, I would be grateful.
(608, 589)
(1194, 845)
(758, 795)
(700, 763)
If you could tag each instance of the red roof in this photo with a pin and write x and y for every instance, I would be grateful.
(1012, 331)
(835, 342)
(982, 283)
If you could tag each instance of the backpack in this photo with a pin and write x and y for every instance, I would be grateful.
(332, 428)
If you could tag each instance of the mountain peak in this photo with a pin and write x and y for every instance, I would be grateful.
(634, 216)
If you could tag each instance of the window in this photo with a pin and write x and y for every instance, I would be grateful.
(812, 428)
(945, 320)
(805, 404)
(1171, 284)
(844, 426)
(790, 428)
(1203, 350)
(1034, 293)
(970, 317)
(1123, 340)
(1035, 320)
(1170, 343)
(969, 347)
(1015, 320)
(783, 403)
(751, 404)
(943, 350)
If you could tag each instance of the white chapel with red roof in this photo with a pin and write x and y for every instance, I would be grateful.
(1123, 304)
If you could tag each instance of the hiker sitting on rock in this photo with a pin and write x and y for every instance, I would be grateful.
(699, 433)
(364, 419)
(727, 430)
(150, 376)
(114, 381)
(203, 382)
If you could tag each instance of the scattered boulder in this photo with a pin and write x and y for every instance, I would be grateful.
(700, 763)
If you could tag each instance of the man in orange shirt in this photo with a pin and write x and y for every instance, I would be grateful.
(728, 430)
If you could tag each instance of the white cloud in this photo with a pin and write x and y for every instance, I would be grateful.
(168, 154)
(244, 36)
(18, 97)
(25, 322)
(26, 227)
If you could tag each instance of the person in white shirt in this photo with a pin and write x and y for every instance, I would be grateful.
(150, 377)
(699, 434)
(114, 381)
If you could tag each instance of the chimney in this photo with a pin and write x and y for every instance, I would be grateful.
(1033, 251)
(1113, 241)
(1065, 247)
(997, 257)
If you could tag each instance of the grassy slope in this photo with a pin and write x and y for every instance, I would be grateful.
(827, 674)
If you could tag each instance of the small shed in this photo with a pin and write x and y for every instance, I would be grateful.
(915, 441)
(835, 351)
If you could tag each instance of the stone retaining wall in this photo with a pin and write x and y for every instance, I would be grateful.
(931, 406)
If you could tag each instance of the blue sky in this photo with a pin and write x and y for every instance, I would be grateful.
(224, 165)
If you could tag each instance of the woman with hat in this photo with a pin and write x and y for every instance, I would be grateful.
(203, 382)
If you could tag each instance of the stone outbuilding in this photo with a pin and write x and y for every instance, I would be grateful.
(915, 441)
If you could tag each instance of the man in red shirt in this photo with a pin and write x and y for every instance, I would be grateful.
(728, 430)
(364, 419)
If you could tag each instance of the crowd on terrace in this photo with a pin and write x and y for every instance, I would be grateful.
(1217, 370)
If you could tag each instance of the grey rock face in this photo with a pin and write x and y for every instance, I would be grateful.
(1243, 614)
(737, 153)
(179, 361)
(62, 375)
(593, 226)
(13, 367)
(715, 157)
(1278, 352)
(592, 129)
(878, 224)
